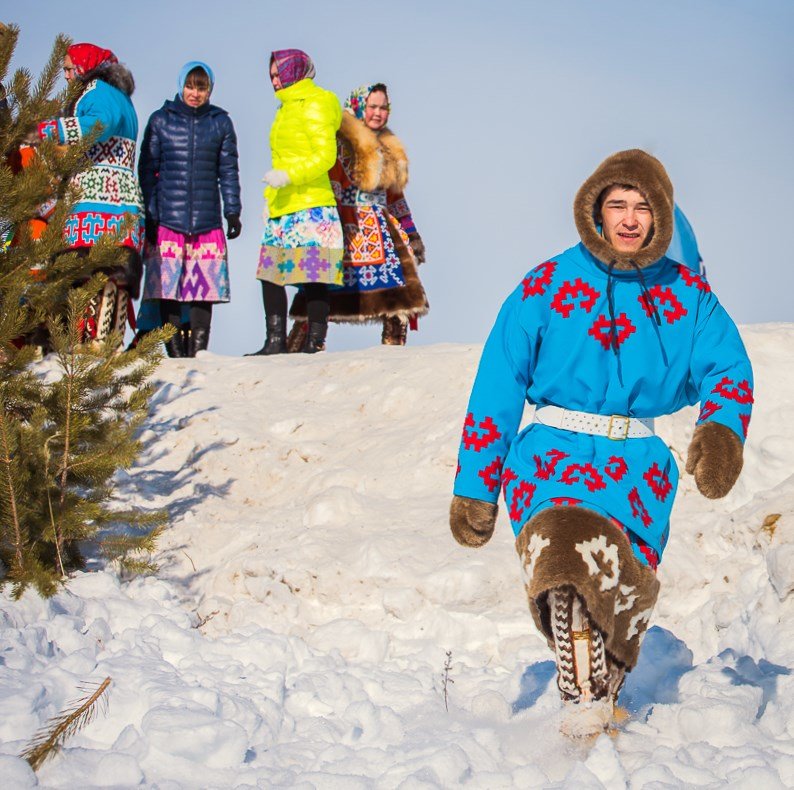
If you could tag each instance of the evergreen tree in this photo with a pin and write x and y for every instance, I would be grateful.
(67, 424)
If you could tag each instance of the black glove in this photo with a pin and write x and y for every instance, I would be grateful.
(151, 231)
(233, 226)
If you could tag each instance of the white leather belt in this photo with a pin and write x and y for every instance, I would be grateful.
(613, 426)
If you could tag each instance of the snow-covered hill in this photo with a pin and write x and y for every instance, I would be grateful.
(309, 593)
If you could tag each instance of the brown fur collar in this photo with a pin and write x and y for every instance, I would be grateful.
(648, 175)
(379, 160)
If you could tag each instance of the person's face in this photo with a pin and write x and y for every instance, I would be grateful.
(626, 219)
(68, 69)
(376, 111)
(274, 78)
(195, 96)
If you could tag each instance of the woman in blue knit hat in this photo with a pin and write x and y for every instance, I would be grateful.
(188, 164)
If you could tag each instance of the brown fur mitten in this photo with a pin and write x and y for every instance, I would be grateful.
(418, 247)
(715, 458)
(472, 521)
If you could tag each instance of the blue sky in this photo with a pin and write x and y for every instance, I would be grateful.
(505, 108)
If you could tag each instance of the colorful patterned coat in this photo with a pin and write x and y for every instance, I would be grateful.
(380, 271)
(551, 345)
(109, 190)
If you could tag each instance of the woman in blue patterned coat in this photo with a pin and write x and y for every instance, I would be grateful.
(188, 163)
(601, 339)
(109, 198)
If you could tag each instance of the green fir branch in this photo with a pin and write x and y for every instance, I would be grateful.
(48, 741)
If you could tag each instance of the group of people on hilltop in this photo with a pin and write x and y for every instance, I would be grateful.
(601, 339)
(336, 222)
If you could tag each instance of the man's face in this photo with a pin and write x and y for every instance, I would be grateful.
(626, 219)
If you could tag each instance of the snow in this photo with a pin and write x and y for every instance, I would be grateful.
(309, 590)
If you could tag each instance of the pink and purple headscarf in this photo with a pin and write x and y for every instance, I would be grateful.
(356, 102)
(293, 65)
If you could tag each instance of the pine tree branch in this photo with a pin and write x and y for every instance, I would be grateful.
(7, 462)
(48, 741)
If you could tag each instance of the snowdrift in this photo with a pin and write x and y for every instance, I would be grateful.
(309, 595)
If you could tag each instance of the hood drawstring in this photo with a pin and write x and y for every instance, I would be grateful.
(650, 302)
(613, 327)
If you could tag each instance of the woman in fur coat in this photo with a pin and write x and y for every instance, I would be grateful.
(302, 241)
(108, 191)
(382, 245)
(601, 339)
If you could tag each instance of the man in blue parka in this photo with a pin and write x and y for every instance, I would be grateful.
(601, 339)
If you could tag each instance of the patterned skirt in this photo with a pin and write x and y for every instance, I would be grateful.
(187, 268)
(303, 247)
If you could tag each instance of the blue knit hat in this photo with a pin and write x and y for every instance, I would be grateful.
(188, 67)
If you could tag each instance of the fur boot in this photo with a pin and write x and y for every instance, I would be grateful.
(588, 681)
(315, 337)
(395, 331)
(297, 337)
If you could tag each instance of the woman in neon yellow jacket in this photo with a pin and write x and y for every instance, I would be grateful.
(302, 244)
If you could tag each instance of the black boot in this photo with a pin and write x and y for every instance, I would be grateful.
(315, 337)
(175, 347)
(199, 340)
(276, 339)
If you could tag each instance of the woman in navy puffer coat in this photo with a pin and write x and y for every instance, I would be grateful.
(188, 162)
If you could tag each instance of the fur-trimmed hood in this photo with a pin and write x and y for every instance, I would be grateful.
(643, 171)
(115, 74)
(379, 158)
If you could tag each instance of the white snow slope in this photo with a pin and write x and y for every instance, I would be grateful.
(309, 591)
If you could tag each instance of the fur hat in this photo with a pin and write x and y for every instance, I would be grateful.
(647, 174)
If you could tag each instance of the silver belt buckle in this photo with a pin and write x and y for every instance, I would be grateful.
(618, 428)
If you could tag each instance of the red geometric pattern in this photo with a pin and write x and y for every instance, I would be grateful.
(728, 388)
(638, 509)
(536, 282)
(520, 499)
(658, 482)
(546, 471)
(574, 290)
(565, 501)
(592, 479)
(507, 477)
(665, 296)
(602, 331)
(616, 468)
(477, 442)
(491, 474)
(707, 409)
(745, 418)
(690, 278)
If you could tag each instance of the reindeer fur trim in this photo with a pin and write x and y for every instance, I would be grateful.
(572, 546)
(648, 175)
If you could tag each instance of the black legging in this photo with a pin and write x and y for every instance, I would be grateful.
(200, 313)
(318, 306)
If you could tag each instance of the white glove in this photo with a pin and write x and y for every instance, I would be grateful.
(265, 212)
(276, 179)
